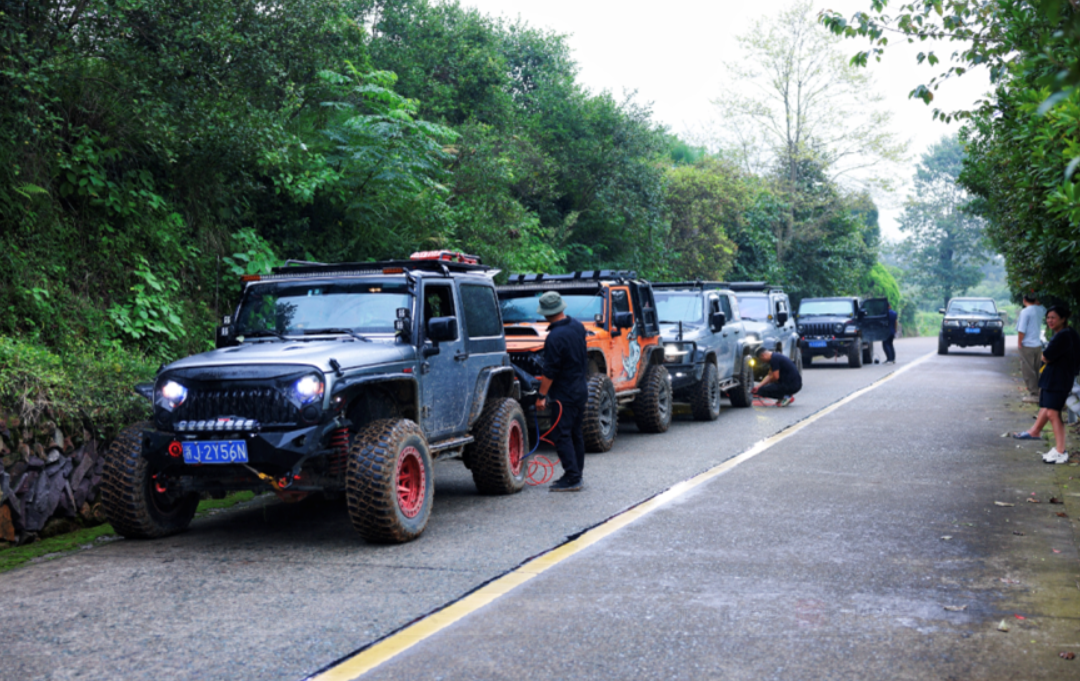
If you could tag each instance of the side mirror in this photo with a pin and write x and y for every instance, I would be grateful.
(440, 329)
(717, 321)
(862, 313)
(941, 310)
(623, 320)
(224, 338)
(781, 318)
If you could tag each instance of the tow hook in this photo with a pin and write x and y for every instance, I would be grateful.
(280, 486)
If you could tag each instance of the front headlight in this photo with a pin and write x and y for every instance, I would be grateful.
(851, 330)
(308, 389)
(952, 323)
(995, 324)
(674, 352)
(173, 394)
(838, 329)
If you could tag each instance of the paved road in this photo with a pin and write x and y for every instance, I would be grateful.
(816, 558)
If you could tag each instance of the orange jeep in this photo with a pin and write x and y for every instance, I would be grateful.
(626, 355)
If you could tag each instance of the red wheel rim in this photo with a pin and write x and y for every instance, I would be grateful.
(411, 482)
(516, 445)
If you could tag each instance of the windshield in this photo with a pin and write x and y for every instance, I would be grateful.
(983, 307)
(679, 307)
(832, 308)
(755, 308)
(583, 307)
(292, 308)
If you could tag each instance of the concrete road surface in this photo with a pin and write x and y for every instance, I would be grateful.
(831, 553)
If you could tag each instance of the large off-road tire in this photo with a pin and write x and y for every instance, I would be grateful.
(807, 360)
(942, 346)
(389, 485)
(997, 349)
(868, 354)
(705, 396)
(855, 355)
(497, 456)
(601, 421)
(797, 359)
(652, 406)
(135, 499)
(742, 395)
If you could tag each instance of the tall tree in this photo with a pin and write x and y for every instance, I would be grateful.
(945, 244)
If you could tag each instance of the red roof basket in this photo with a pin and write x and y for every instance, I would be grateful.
(446, 256)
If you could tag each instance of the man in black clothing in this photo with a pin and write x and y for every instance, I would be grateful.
(565, 385)
(783, 380)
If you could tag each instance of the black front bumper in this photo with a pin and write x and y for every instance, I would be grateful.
(686, 375)
(961, 337)
(826, 347)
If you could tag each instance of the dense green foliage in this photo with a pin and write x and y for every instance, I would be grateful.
(157, 149)
(1022, 143)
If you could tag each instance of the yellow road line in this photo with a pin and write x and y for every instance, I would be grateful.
(373, 656)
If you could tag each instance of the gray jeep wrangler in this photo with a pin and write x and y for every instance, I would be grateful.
(334, 379)
(766, 314)
(707, 350)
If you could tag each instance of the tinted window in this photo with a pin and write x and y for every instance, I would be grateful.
(876, 308)
(725, 307)
(481, 311)
(620, 300)
(438, 301)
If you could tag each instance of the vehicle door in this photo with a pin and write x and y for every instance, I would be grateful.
(625, 361)
(445, 386)
(785, 328)
(484, 340)
(874, 319)
(729, 336)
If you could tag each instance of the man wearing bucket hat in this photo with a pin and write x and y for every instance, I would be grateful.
(564, 386)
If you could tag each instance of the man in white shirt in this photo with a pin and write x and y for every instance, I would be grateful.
(1029, 329)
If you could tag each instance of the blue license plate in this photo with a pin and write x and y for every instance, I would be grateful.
(216, 451)
(971, 330)
(817, 344)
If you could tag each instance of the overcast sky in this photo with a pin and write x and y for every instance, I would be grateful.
(673, 55)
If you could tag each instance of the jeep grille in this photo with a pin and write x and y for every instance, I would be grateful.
(819, 329)
(267, 406)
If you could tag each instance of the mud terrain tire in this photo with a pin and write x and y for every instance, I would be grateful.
(808, 360)
(497, 457)
(705, 397)
(389, 485)
(742, 395)
(129, 496)
(601, 421)
(868, 354)
(855, 355)
(652, 406)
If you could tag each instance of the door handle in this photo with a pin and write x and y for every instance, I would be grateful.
(461, 356)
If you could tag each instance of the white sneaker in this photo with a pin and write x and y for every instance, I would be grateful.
(1054, 456)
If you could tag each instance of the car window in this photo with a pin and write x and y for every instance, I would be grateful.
(755, 308)
(293, 308)
(438, 301)
(725, 307)
(583, 307)
(481, 311)
(677, 307)
(876, 308)
(831, 308)
(985, 307)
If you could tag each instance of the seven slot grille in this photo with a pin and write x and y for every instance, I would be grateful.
(267, 406)
(818, 329)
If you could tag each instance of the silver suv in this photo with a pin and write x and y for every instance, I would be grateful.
(766, 314)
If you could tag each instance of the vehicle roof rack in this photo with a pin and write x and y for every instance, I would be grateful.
(444, 262)
(585, 275)
(752, 286)
(690, 284)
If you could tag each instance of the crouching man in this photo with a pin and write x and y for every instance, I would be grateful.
(783, 380)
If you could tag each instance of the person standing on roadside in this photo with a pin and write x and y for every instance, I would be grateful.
(1062, 360)
(565, 382)
(783, 380)
(1030, 344)
(887, 344)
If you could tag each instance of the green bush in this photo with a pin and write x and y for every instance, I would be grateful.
(87, 386)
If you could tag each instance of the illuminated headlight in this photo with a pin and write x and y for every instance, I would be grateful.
(851, 330)
(308, 389)
(952, 323)
(676, 351)
(173, 394)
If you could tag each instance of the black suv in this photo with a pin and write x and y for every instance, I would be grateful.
(969, 322)
(838, 327)
(336, 379)
(707, 349)
(766, 315)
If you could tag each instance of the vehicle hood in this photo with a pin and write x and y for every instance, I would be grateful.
(530, 336)
(317, 353)
(690, 332)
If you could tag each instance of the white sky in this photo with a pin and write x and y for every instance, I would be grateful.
(673, 55)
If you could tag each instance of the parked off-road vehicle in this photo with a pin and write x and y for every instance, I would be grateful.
(842, 327)
(971, 322)
(707, 350)
(766, 316)
(336, 379)
(626, 357)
